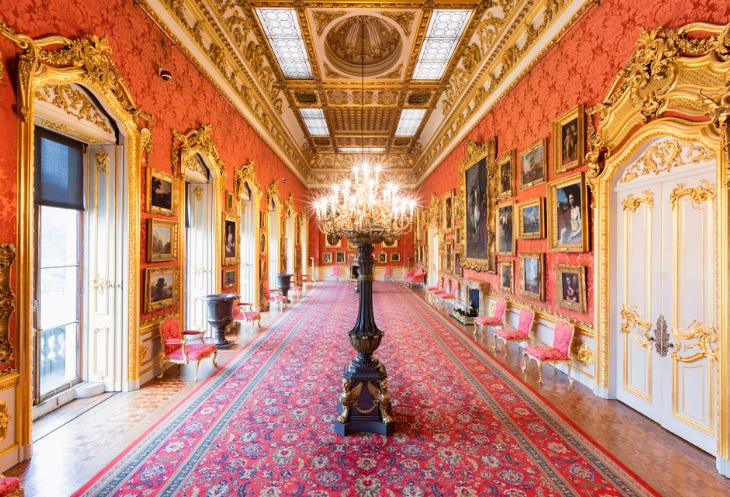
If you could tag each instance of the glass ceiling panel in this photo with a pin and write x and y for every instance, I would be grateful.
(282, 30)
(444, 31)
(316, 124)
(410, 120)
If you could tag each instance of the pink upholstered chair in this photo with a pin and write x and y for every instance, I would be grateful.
(276, 298)
(450, 295)
(495, 319)
(521, 334)
(335, 272)
(10, 486)
(558, 353)
(295, 288)
(176, 348)
(388, 273)
(244, 312)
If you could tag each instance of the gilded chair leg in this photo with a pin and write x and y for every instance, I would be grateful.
(524, 362)
(215, 358)
(162, 366)
(195, 374)
(570, 377)
(494, 342)
(539, 372)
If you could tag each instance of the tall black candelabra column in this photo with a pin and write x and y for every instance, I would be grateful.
(364, 404)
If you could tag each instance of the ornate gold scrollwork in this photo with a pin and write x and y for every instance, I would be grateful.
(101, 160)
(272, 193)
(243, 175)
(100, 284)
(632, 203)
(7, 300)
(187, 146)
(631, 321)
(705, 340)
(4, 419)
(697, 195)
(665, 156)
(583, 354)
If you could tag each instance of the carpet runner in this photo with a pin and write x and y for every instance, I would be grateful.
(263, 425)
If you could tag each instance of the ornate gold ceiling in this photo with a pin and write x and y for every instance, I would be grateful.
(362, 97)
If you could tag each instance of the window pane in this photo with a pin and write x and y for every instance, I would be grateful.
(60, 241)
(59, 296)
(58, 348)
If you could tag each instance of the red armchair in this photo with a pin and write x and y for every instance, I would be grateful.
(176, 348)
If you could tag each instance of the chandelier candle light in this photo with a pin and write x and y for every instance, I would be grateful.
(365, 212)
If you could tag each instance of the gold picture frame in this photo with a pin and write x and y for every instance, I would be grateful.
(161, 288)
(161, 193)
(332, 241)
(506, 174)
(478, 206)
(568, 140)
(327, 258)
(506, 228)
(392, 244)
(229, 201)
(506, 271)
(229, 278)
(230, 240)
(340, 257)
(532, 275)
(533, 165)
(531, 219)
(571, 287)
(447, 217)
(383, 257)
(161, 240)
(567, 205)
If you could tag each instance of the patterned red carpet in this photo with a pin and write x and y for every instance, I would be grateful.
(263, 426)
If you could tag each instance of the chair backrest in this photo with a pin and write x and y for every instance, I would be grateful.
(499, 309)
(170, 330)
(273, 293)
(526, 318)
(563, 336)
(335, 270)
(388, 271)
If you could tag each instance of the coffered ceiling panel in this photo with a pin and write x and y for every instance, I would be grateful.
(360, 66)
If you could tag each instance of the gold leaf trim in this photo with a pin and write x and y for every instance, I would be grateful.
(632, 203)
(699, 194)
(665, 156)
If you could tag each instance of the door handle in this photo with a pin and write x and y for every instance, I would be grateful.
(661, 337)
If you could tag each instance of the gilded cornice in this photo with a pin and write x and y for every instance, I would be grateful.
(74, 102)
(222, 31)
(196, 141)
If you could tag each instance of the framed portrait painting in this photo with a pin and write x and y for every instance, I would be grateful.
(332, 241)
(229, 278)
(161, 288)
(478, 207)
(568, 214)
(506, 171)
(161, 193)
(327, 258)
(505, 229)
(448, 211)
(532, 165)
(530, 219)
(506, 271)
(230, 237)
(161, 240)
(569, 139)
(395, 256)
(383, 257)
(532, 275)
(229, 201)
(571, 287)
(340, 257)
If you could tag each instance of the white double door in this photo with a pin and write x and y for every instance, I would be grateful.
(665, 310)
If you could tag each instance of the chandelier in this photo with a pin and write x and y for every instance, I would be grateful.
(364, 210)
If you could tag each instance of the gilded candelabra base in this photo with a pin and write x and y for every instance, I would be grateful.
(364, 404)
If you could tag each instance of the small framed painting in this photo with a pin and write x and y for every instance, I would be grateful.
(161, 194)
(568, 214)
(532, 275)
(506, 275)
(448, 211)
(327, 258)
(229, 278)
(505, 229)
(530, 215)
(506, 171)
(340, 257)
(395, 256)
(569, 139)
(230, 245)
(161, 284)
(161, 240)
(229, 201)
(532, 165)
(571, 287)
(383, 257)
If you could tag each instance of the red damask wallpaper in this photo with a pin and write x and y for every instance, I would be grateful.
(580, 69)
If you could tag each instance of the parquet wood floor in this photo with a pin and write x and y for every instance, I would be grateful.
(67, 453)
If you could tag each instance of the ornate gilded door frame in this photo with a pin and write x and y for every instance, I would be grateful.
(680, 72)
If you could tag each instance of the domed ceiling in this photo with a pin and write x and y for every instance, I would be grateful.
(403, 82)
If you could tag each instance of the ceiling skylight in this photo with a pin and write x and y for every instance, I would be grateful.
(282, 30)
(359, 150)
(410, 120)
(444, 31)
(316, 124)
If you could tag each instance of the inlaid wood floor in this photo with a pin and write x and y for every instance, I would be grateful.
(72, 444)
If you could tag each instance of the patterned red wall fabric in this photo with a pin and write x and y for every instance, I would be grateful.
(580, 69)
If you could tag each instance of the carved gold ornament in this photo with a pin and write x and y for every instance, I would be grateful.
(699, 194)
(7, 300)
(705, 343)
(101, 161)
(4, 419)
(74, 102)
(664, 156)
(187, 146)
(243, 175)
(632, 203)
(631, 322)
(583, 354)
